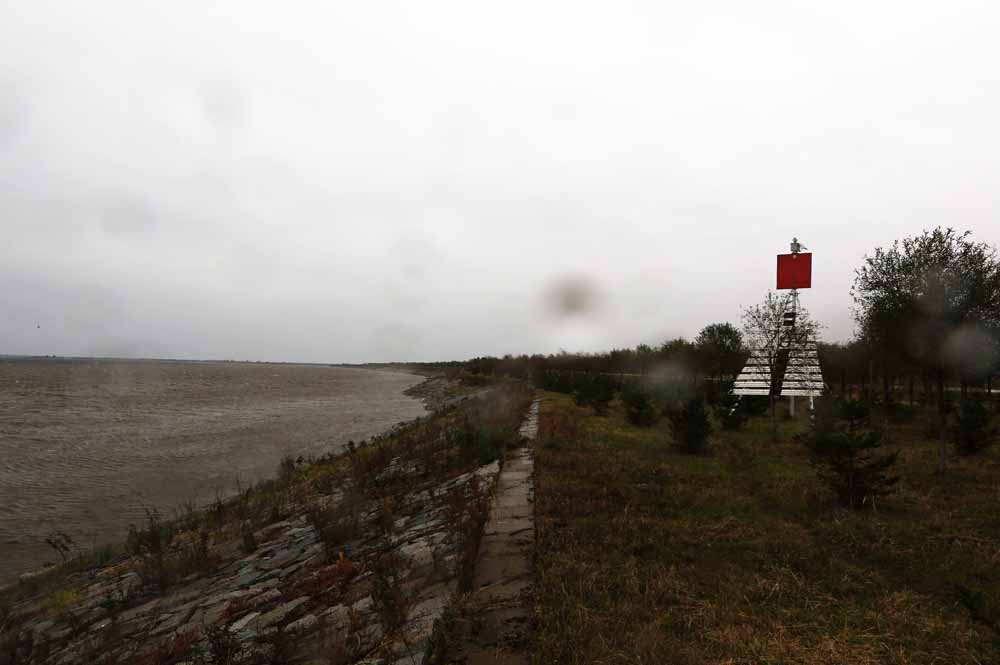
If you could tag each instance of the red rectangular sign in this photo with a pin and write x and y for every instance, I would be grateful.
(794, 271)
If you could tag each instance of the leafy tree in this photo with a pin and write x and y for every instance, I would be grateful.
(679, 352)
(770, 339)
(935, 298)
(720, 349)
(971, 430)
(691, 427)
(845, 453)
(644, 358)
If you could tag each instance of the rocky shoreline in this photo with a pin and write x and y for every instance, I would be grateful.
(439, 392)
(345, 560)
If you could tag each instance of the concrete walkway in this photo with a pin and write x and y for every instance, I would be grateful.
(501, 595)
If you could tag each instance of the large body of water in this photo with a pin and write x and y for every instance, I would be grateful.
(86, 445)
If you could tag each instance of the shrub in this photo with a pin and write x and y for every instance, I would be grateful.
(467, 507)
(248, 542)
(971, 429)
(638, 408)
(188, 517)
(436, 649)
(367, 463)
(732, 411)
(286, 467)
(217, 511)
(328, 581)
(62, 543)
(150, 545)
(853, 411)
(16, 648)
(980, 609)
(195, 555)
(557, 382)
(691, 427)
(334, 526)
(755, 405)
(271, 503)
(481, 436)
(844, 453)
(116, 599)
(389, 598)
(223, 645)
(596, 391)
(716, 391)
(385, 516)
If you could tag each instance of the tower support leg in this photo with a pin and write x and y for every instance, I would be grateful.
(791, 405)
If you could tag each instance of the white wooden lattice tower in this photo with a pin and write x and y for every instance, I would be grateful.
(802, 375)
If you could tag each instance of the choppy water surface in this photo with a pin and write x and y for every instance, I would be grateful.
(86, 444)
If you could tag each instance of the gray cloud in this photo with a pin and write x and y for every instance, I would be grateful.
(357, 181)
(124, 213)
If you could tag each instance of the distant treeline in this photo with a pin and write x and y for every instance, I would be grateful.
(927, 314)
(857, 368)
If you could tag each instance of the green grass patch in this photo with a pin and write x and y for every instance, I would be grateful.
(646, 555)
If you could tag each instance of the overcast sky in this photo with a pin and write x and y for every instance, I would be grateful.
(365, 181)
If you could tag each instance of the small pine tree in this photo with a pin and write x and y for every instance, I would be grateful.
(691, 427)
(971, 429)
(638, 408)
(582, 394)
(844, 453)
(604, 392)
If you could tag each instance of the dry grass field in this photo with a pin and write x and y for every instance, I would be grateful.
(741, 556)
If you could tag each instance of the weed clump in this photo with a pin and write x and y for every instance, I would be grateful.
(485, 429)
(195, 556)
(335, 526)
(223, 646)
(331, 528)
(557, 430)
(467, 508)
(286, 467)
(248, 542)
(389, 599)
(150, 545)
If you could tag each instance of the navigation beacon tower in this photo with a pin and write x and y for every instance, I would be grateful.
(785, 365)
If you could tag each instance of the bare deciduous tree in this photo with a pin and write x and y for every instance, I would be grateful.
(771, 336)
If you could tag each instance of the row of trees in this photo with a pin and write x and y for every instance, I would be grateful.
(928, 315)
(930, 305)
(927, 310)
(718, 351)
